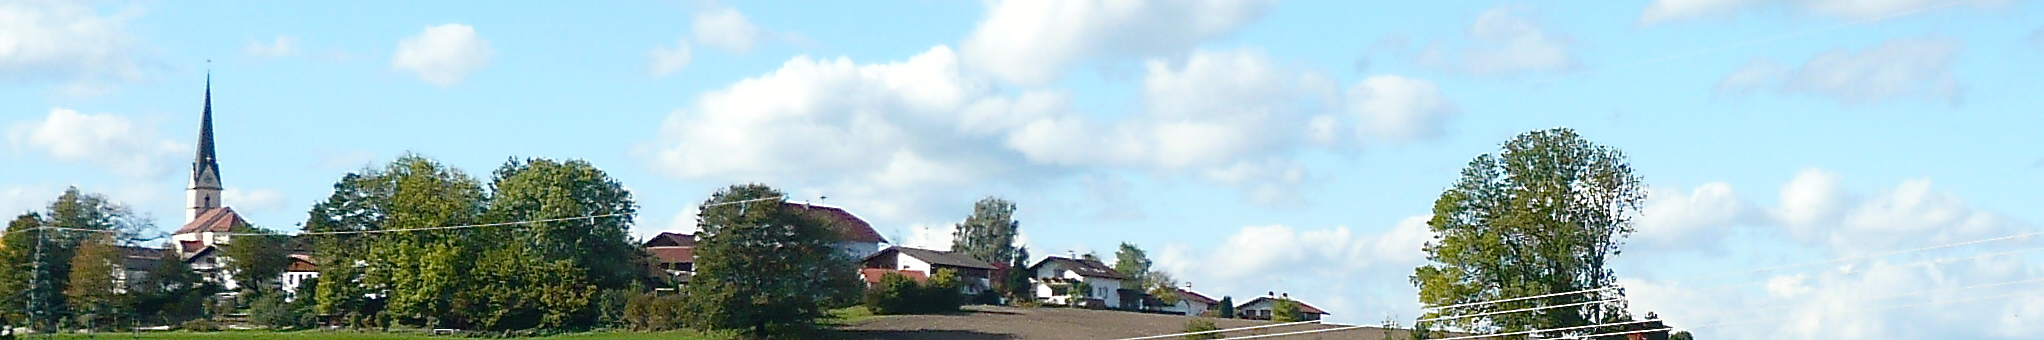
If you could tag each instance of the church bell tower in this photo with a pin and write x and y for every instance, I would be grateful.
(204, 191)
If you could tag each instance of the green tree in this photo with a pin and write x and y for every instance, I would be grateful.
(1162, 287)
(1018, 276)
(172, 292)
(1541, 216)
(1132, 261)
(40, 268)
(95, 297)
(989, 233)
(1284, 310)
(543, 273)
(762, 268)
(358, 204)
(1227, 307)
(256, 258)
(1681, 335)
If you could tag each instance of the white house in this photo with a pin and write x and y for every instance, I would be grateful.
(301, 269)
(1058, 280)
(1262, 308)
(1191, 303)
(975, 274)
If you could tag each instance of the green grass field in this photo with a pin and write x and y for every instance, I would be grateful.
(350, 335)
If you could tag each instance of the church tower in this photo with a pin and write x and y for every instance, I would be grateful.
(204, 191)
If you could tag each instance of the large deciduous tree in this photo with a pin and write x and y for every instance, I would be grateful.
(1541, 216)
(989, 233)
(36, 263)
(96, 299)
(761, 267)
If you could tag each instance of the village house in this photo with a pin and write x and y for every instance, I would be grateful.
(1079, 282)
(1191, 303)
(1263, 307)
(674, 254)
(972, 273)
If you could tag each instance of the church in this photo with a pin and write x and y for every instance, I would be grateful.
(209, 222)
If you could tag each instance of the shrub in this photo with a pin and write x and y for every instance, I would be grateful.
(1201, 325)
(899, 294)
(651, 312)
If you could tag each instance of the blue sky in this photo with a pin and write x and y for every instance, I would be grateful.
(1251, 146)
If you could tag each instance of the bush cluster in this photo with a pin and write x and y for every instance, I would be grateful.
(899, 294)
(652, 312)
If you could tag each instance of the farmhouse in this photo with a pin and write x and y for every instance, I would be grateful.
(1262, 308)
(973, 273)
(1083, 282)
(1191, 303)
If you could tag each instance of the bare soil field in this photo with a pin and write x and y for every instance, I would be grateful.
(1010, 323)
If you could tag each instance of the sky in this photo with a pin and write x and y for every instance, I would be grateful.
(1250, 146)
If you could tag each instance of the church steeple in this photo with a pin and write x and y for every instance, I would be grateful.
(204, 192)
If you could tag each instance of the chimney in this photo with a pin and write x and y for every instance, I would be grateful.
(1071, 254)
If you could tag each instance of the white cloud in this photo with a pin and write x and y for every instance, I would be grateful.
(1506, 43)
(252, 200)
(670, 60)
(443, 55)
(885, 135)
(283, 46)
(1321, 266)
(1699, 219)
(1400, 108)
(66, 41)
(1815, 210)
(726, 28)
(1664, 11)
(1896, 69)
(105, 139)
(1036, 42)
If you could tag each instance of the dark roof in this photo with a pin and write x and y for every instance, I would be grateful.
(1303, 307)
(140, 258)
(671, 240)
(1196, 297)
(936, 257)
(673, 254)
(217, 220)
(201, 252)
(848, 226)
(302, 263)
(188, 247)
(1091, 268)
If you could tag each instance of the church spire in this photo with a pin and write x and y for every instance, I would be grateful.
(204, 192)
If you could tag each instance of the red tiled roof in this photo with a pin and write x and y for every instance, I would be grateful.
(872, 275)
(217, 220)
(188, 247)
(1196, 297)
(848, 226)
(673, 254)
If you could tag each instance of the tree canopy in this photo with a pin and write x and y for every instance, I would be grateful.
(761, 267)
(37, 263)
(1541, 216)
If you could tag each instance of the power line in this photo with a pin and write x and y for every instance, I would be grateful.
(1550, 330)
(345, 232)
(1520, 310)
(1480, 303)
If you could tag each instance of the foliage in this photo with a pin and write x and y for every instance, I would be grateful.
(899, 294)
(1200, 325)
(650, 312)
(94, 296)
(1541, 216)
(513, 275)
(1227, 308)
(1285, 310)
(1132, 261)
(257, 258)
(762, 267)
(1681, 335)
(172, 293)
(1018, 287)
(989, 233)
(1162, 287)
(271, 309)
(35, 265)
(199, 325)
